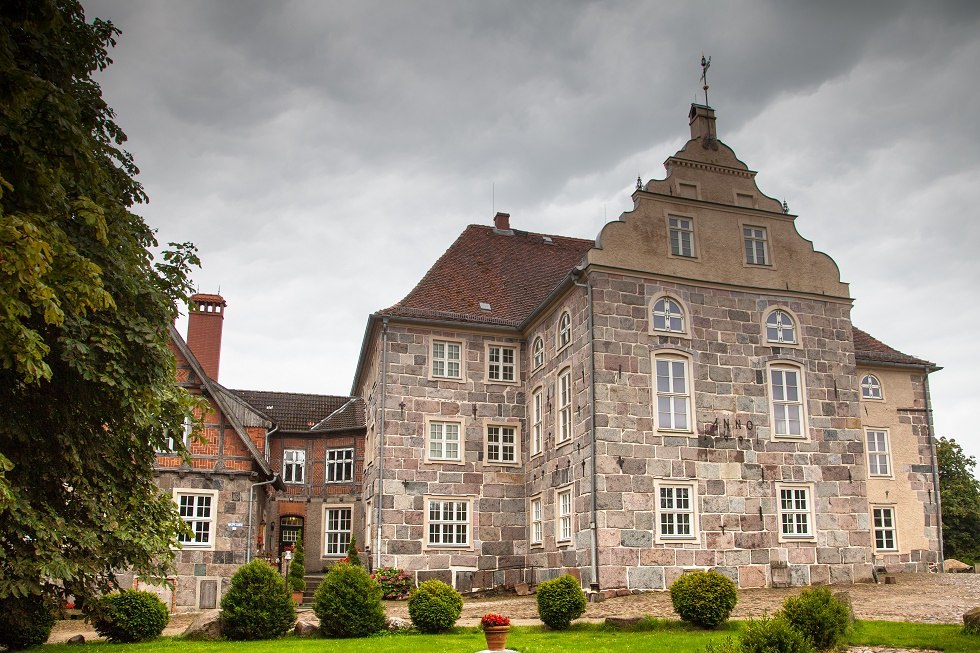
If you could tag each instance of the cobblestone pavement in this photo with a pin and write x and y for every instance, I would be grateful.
(925, 598)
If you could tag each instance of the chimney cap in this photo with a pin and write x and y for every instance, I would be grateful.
(208, 298)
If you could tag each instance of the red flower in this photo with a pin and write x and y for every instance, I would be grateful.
(494, 620)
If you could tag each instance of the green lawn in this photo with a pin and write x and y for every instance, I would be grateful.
(657, 637)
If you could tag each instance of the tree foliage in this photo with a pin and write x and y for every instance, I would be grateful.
(86, 376)
(960, 491)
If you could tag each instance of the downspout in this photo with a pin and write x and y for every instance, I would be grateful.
(251, 499)
(381, 437)
(935, 471)
(594, 543)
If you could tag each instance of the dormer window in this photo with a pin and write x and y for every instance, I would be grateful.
(780, 328)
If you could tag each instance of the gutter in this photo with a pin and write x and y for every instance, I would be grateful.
(930, 430)
(379, 495)
(594, 527)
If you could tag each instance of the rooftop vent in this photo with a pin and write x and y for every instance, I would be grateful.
(484, 306)
(548, 240)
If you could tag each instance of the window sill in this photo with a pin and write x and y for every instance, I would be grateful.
(497, 463)
(446, 547)
(440, 461)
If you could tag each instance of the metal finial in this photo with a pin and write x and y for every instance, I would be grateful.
(785, 206)
(639, 183)
(705, 64)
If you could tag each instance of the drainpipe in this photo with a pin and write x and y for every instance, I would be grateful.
(269, 434)
(381, 437)
(935, 471)
(594, 544)
(251, 499)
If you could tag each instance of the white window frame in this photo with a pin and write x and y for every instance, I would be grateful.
(537, 353)
(565, 510)
(195, 520)
(536, 512)
(780, 404)
(342, 459)
(293, 461)
(441, 456)
(171, 445)
(443, 355)
(671, 392)
(563, 397)
(563, 334)
(871, 387)
(885, 527)
(447, 521)
(498, 366)
(681, 225)
(537, 421)
(337, 529)
(502, 443)
(878, 445)
(669, 489)
(796, 519)
(755, 240)
(666, 314)
(781, 314)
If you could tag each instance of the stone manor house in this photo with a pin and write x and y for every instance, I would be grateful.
(684, 392)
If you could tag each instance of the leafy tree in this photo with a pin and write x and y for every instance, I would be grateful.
(960, 491)
(86, 377)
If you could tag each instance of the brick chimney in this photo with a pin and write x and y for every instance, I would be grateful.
(204, 321)
(501, 221)
(702, 123)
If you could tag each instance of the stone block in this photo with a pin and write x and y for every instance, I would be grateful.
(636, 538)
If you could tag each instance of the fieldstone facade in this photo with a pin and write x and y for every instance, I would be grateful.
(683, 392)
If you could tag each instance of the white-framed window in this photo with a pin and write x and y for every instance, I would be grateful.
(447, 359)
(502, 444)
(564, 500)
(336, 531)
(673, 391)
(564, 335)
(537, 421)
(681, 232)
(293, 465)
(501, 363)
(879, 461)
(537, 353)
(870, 387)
(676, 511)
(756, 245)
(795, 511)
(537, 521)
(564, 406)
(786, 392)
(780, 328)
(172, 444)
(340, 465)
(668, 316)
(448, 522)
(198, 509)
(444, 440)
(884, 527)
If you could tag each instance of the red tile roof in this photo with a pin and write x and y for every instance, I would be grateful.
(293, 411)
(513, 272)
(871, 350)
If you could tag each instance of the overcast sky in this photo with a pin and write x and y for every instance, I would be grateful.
(322, 155)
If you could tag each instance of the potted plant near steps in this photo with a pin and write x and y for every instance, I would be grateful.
(296, 572)
(495, 628)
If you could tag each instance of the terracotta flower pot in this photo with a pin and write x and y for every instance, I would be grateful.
(496, 637)
(298, 597)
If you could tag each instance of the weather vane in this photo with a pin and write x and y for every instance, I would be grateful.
(705, 64)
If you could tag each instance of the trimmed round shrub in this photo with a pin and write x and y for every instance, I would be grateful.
(25, 622)
(395, 583)
(348, 602)
(130, 616)
(560, 600)
(434, 606)
(704, 598)
(818, 616)
(257, 605)
(773, 635)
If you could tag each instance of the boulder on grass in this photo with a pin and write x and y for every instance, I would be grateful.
(394, 624)
(206, 626)
(307, 625)
(971, 622)
(955, 566)
(76, 639)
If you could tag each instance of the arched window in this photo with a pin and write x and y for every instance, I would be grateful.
(780, 328)
(668, 315)
(564, 330)
(870, 387)
(537, 353)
